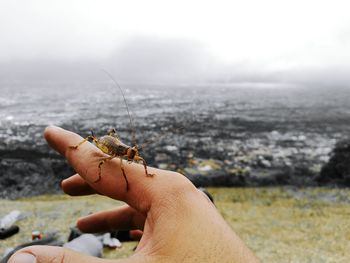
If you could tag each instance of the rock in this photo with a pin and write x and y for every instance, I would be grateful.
(262, 162)
(28, 173)
(205, 168)
(225, 152)
(239, 171)
(211, 172)
(266, 177)
(171, 148)
(337, 170)
(219, 178)
(161, 157)
(163, 166)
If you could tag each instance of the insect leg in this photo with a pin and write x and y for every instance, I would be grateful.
(85, 140)
(113, 133)
(100, 166)
(139, 158)
(123, 171)
(121, 167)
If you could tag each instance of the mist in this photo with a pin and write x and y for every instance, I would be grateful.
(169, 61)
(190, 42)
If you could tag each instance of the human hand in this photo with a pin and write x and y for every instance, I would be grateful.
(179, 222)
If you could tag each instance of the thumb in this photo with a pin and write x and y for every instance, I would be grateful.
(51, 254)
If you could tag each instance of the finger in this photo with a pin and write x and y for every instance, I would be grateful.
(85, 160)
(121, 218)
(76, 185)
(143, 190)
(44, 254)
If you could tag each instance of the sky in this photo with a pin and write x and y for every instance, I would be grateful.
(251, 40)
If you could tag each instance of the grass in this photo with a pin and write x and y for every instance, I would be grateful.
(279, 224)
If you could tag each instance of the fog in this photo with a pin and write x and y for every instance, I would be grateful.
(188, 42)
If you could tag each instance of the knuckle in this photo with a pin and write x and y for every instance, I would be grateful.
(180, 185)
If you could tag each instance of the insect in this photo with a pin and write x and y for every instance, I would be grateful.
(112, 145)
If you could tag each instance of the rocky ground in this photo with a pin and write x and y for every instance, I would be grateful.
(28, 167)
(337, 170)
(219, 136)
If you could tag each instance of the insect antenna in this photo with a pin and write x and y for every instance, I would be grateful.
(132, 127)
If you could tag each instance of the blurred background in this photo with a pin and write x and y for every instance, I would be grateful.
(251, 95)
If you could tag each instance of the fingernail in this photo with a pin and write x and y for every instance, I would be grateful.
(22, 258)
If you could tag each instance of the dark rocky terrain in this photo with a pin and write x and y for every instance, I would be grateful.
(218, 136)
(337, 170)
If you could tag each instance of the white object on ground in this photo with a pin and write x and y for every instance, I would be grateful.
(111, 242)
(9, 219)
(87, 244)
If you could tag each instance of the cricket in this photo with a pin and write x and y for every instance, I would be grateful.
(112, 145)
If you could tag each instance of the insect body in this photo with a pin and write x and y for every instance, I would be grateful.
(111, 144)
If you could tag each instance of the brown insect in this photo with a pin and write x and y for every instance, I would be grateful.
(112, 145)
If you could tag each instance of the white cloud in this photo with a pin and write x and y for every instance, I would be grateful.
(272, 35)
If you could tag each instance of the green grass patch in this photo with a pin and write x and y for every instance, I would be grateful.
(280, 224)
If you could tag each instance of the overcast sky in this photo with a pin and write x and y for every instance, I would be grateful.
(250, 39)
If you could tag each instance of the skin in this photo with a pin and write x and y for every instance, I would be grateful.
(178, 223)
